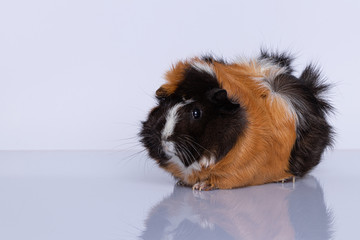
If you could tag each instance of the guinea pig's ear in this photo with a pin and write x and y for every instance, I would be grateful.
(161, 92)
(220, 98)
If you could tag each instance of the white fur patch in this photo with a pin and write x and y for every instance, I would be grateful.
(176, 160)
(186, 171)
(270, 71)
(289, 105)
(207, 162)
(194, 166)
(168, 147)
(171, 120)
(266, 68)
(204, 67)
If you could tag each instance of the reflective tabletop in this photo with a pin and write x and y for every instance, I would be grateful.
(121, 195)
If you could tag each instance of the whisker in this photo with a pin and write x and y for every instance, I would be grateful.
(191, 145)
(130, 157)
(128, 138)
(184, 154)
(191, 157)
(180, 151)
(189, 138)
(188, 150)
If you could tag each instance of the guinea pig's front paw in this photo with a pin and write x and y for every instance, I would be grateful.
(203, 186)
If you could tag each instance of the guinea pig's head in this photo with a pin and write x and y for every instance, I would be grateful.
(195, 119)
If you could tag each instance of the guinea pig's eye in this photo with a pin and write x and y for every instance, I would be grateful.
(196, 113)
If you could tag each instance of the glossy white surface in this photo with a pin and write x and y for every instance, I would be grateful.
(103, 195)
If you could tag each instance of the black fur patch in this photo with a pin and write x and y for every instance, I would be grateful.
(196, 83)
(306, 93)
(315, 133)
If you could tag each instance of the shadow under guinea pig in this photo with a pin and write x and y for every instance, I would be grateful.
(271, 211)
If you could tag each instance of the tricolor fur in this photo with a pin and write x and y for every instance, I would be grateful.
(226, 125)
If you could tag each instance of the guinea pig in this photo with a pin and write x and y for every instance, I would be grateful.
(223, 125)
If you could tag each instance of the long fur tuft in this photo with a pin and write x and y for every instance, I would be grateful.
(316, 134)
(311, 76)
(282, 59)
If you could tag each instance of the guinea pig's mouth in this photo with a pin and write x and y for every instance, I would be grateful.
(172, 150)
(180, 152)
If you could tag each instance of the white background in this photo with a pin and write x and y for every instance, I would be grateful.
(78, 74)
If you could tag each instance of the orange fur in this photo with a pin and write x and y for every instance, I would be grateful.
(261, 154)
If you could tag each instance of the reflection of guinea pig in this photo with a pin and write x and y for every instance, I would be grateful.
(226, 125)
(273, 211)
